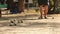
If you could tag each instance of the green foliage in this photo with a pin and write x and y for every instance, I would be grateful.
(51, 2)
(35, 1)
(58, 7)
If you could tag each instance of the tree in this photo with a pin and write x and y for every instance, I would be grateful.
(21, 6)
(51, 5)
(0, 12)
(55, 5)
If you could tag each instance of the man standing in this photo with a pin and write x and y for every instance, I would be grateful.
(43, 3)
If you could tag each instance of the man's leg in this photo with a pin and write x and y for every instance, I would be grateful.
(45, 11)
(41, 7)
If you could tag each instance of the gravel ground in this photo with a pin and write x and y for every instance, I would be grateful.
(30, 28)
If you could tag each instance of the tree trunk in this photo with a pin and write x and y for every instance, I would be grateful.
(0, 12)
(10, 4)
(55, 6)
(21, 6)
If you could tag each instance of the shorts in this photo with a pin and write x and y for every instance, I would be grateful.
(43, 2)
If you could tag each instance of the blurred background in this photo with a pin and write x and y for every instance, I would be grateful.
(21, 6)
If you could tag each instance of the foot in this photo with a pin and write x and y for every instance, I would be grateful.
(40, 18)
(45, 17)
